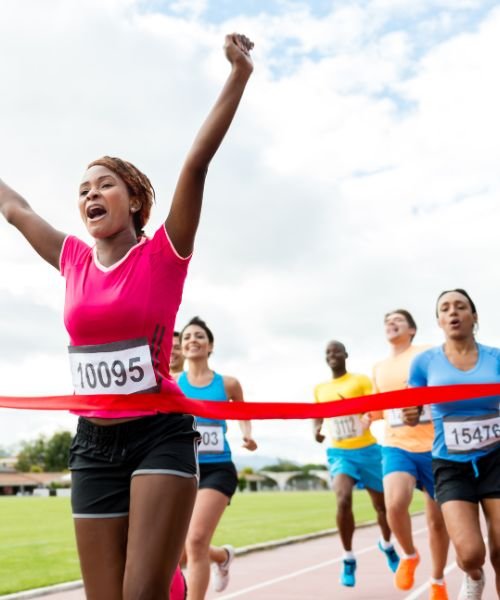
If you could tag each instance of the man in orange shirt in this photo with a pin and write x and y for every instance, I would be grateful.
(406, 460)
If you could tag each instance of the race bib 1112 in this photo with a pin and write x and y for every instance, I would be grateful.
(345, 428)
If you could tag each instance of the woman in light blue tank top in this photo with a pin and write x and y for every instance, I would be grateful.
(218, 477)
(466, 450)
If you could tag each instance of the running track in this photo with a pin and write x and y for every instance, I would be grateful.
(310, 570)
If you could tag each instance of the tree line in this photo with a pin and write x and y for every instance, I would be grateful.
(44, 454)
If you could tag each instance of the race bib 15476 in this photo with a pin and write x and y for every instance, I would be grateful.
(471, 432)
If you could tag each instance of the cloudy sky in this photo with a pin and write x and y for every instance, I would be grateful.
(361, 174)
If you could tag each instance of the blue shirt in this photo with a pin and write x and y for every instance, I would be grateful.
(214, 447)
(464, 422)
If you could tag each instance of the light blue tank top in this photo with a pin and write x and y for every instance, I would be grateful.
(467, 429)
(214, 447)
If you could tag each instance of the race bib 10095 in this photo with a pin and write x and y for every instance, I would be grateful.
(116, 368)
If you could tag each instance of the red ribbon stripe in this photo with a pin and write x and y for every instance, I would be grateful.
(255, 410)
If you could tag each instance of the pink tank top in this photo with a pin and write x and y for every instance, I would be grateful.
(120, 319)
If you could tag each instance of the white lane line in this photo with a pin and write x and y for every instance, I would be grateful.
(424, 587)
(326, 563)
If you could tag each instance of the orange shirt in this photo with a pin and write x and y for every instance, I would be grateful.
(392, 374)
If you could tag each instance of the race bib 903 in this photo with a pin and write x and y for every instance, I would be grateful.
(117, 368)
(212, 438)
(471, 433)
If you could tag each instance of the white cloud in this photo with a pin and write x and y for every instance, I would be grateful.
(360, 175)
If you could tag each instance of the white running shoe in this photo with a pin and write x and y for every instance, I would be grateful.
(472, 589)
(220, 571)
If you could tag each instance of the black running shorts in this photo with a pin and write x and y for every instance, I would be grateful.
(219, 476)
(461, 481)
(104, 458)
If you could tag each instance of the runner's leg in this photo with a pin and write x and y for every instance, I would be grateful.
(462, 523)
(209, 507)
(491, 508)
(398, 492)
(102, 544)
(160, 510)
(439, 540)
(380, 509)
(343, 486)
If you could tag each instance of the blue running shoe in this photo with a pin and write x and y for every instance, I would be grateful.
(392, 557)
(347, 577)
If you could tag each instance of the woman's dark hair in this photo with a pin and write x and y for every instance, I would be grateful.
(458, 291)
(200, 323)
(407, 315)
(137, 183)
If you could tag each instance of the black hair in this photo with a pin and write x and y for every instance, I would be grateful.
(337, 343)
(407, 315)
(200, 323)
(138, 185)
(458, 291)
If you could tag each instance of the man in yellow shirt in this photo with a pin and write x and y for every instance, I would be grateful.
(407, 461)
(354, 457)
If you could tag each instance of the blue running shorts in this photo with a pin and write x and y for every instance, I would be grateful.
(418, 464)
(361, 464)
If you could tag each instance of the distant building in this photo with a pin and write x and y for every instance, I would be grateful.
(14, 482)
(285, 480)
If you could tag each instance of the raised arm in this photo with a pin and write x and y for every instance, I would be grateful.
(235, 394)
(184, 215)
(46, 240)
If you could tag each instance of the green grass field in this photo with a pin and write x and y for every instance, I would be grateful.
(37, 542)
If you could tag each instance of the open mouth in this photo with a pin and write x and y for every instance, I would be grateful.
(95, 212)
(455, 323)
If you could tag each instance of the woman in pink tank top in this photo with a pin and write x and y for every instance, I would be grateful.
(134, 473)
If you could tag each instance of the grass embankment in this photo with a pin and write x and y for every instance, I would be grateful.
(37, 546)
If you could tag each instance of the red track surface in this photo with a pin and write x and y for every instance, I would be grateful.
(310, 571)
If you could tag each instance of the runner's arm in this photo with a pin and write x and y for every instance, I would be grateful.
(366, 418)
(416, 378)
(182, 221)
(234, 392)
(45, 240)
(411, 415)
(317, 425)
(375, 415)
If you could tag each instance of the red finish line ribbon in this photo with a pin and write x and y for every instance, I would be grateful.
(255, 410)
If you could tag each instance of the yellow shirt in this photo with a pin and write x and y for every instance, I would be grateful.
(392, 374)
(346, 432)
